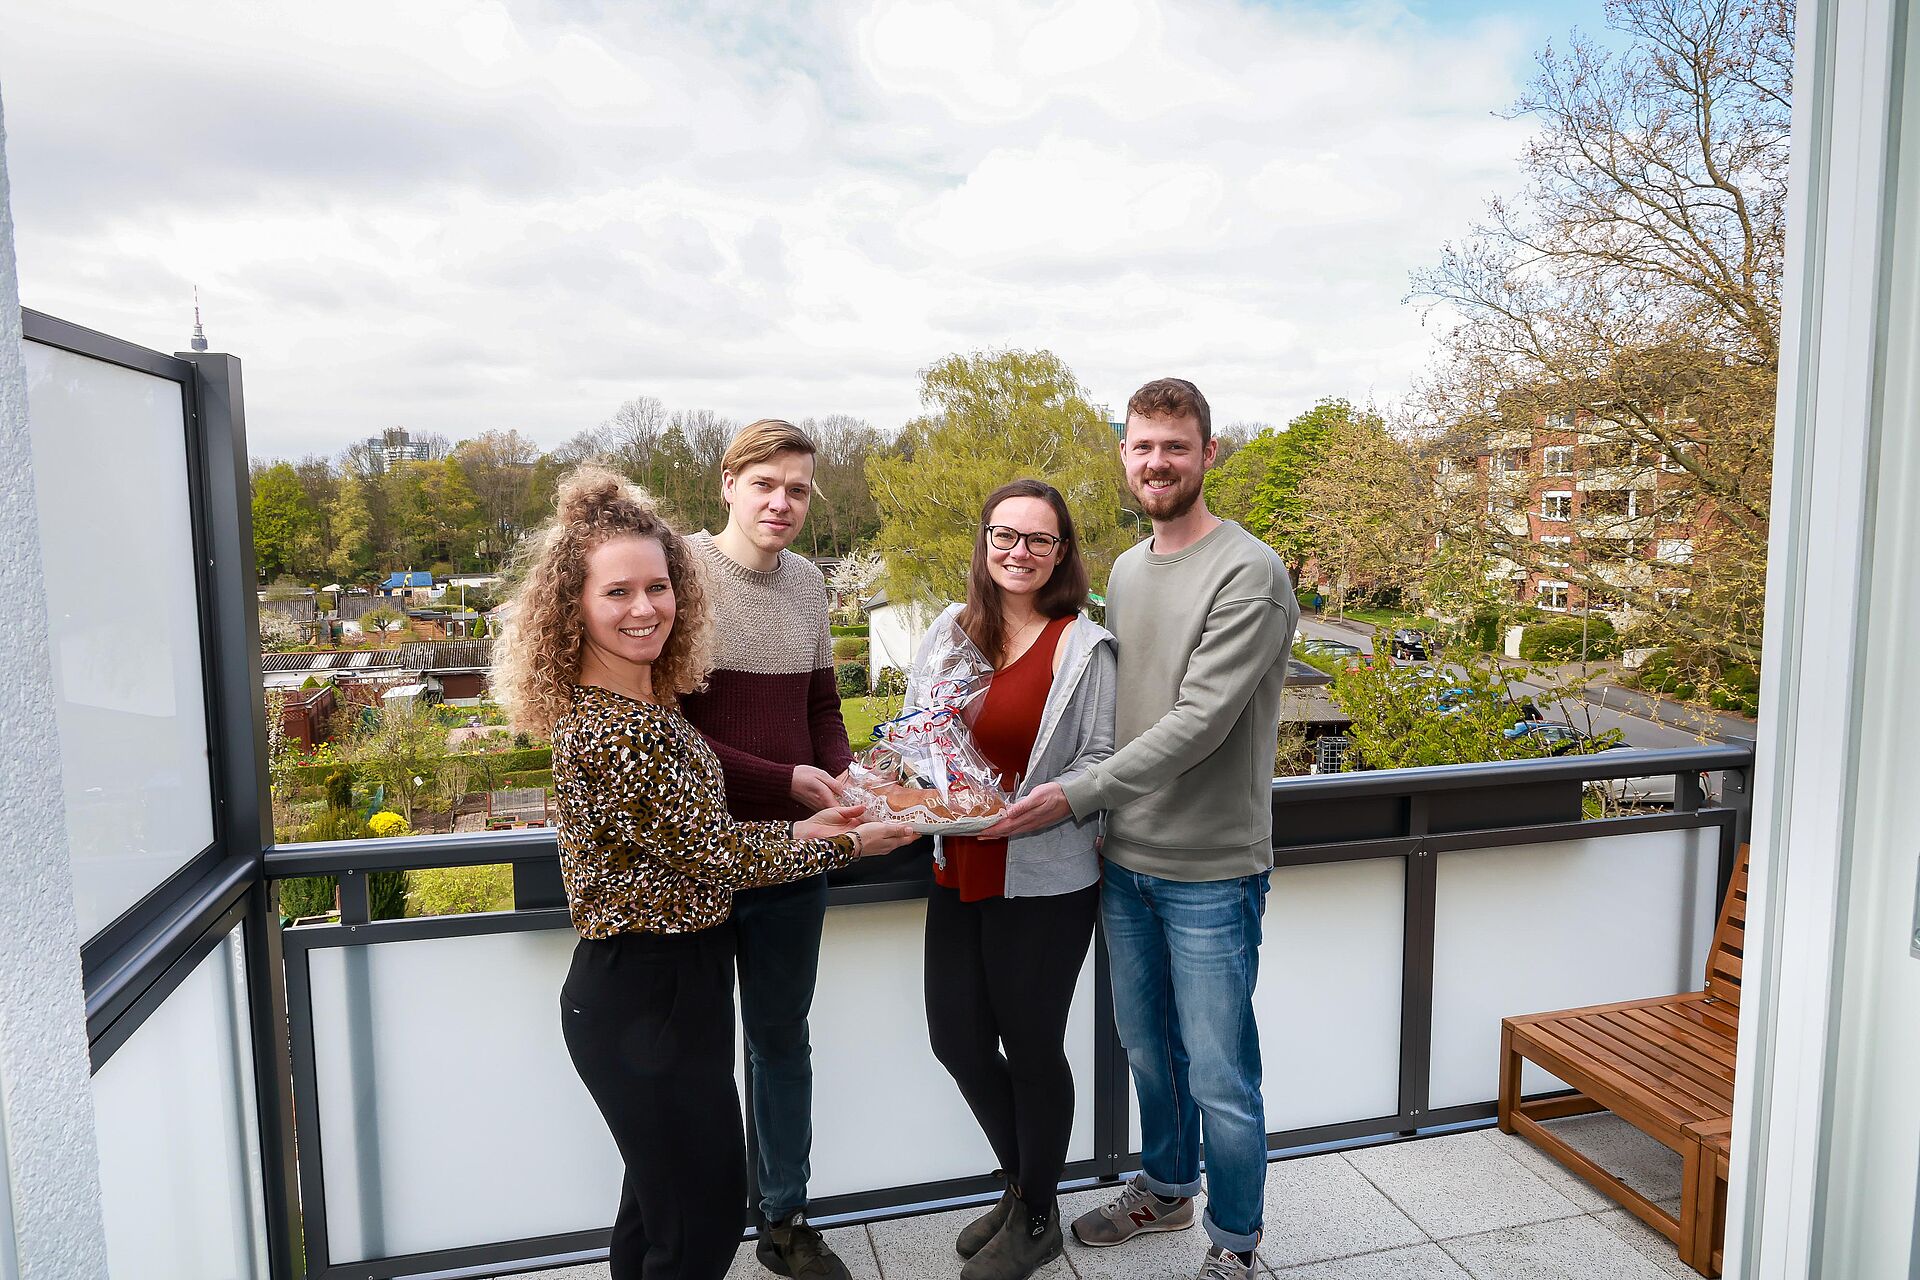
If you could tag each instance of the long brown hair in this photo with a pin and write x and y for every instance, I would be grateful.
(1064, 594)
(537, 663)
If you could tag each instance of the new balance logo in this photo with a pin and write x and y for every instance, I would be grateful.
(1141, 1217)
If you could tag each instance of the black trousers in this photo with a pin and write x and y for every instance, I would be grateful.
(1000, 975)
(648, 1020)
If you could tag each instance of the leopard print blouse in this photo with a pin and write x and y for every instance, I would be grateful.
(646, 843)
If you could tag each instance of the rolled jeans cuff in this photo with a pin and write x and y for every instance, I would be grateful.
(1229, 1239)
(1168, 1190)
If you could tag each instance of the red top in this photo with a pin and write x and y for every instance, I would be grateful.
(1008, 722)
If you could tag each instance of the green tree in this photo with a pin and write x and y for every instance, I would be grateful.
(350, 521)
(403, 753)
(994, 417)
(1633, 290)
(382, 618)
(844, 514)
(1402, 719)
(285, 525)
(446, 514)
(1260, 485)
(499, 469)
(1361, 503)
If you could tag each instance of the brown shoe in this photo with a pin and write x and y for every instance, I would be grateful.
(974, 1236)
(1135, 1211)
(1026, 1242)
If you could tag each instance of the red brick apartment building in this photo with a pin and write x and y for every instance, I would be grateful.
(1571, 497)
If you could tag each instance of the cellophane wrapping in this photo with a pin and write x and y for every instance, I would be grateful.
(930, 745)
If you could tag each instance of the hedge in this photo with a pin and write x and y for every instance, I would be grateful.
(851, 629)
(849, 649)
(1560, 639)
(513, 760)
(851, 677)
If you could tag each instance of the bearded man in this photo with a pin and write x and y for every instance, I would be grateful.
(1204, 614)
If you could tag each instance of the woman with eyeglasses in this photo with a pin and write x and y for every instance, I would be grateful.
(1009, 921)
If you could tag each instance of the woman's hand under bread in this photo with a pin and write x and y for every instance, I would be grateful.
(873, 837)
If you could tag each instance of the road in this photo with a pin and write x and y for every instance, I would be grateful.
(1635, 731)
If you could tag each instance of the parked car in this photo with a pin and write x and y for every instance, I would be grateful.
(1412, 644)
(1563, 739)
(1350, 655)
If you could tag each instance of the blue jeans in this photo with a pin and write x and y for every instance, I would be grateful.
(1184, 958)
(777, 932)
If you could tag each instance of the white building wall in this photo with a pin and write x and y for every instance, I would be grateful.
(50, 1225)
(893, 633)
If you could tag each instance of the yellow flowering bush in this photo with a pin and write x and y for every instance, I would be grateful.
(387, 823)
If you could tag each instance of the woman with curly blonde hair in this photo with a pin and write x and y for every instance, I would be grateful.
(609, 628)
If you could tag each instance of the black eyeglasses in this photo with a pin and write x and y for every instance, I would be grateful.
(1039, 544)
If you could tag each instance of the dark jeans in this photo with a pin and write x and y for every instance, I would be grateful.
(648, 1020)
(777, 932)
(1000, 975)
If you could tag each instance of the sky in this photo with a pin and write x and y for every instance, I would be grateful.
(466, 215)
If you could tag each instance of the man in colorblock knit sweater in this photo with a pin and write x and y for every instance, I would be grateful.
(771, 712)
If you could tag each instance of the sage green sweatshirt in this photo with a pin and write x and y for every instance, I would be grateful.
(1204, 635)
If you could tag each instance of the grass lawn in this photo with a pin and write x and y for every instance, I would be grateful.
(861, 714)
(1388, 619)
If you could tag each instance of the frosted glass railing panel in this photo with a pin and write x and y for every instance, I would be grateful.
(110, 469)
(179, 1136)
(450, 1114)
(885, 1112)
(1555, 926)
(1328, 999)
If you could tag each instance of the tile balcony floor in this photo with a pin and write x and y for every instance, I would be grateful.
(1467, 1206)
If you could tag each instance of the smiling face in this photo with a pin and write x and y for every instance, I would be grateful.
(1165, 463)
(1018, 570)
(767, 502)
(628, 602)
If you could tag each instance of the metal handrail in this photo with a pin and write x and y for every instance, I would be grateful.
(485, 848)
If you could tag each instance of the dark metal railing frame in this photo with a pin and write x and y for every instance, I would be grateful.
(131, 966)
(1543, 796)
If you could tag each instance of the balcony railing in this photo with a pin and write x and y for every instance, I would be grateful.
(439, 1124)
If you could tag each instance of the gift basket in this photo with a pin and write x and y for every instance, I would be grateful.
(924, 768)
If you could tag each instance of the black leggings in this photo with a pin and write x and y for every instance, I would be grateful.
(648, 1020)
(1000, 975)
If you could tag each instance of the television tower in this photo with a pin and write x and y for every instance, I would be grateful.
(199, 342)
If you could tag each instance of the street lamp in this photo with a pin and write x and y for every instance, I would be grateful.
(1128, 511)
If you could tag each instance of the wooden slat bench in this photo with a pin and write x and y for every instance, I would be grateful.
(1665, 1066)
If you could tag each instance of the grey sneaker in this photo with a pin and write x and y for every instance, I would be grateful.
(1224, 1264)
(1136, 1210)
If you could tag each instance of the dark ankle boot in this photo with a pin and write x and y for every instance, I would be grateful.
(974, 1236)
(1026, 1242)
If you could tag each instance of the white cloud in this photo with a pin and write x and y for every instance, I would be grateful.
(457, 215)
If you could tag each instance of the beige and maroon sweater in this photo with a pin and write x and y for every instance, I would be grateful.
(771, 702)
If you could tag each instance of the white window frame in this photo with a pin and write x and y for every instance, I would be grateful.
(1556, 540)
(1674, 550)
(1542, 587)
(1547, 498)
(1565, 467)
